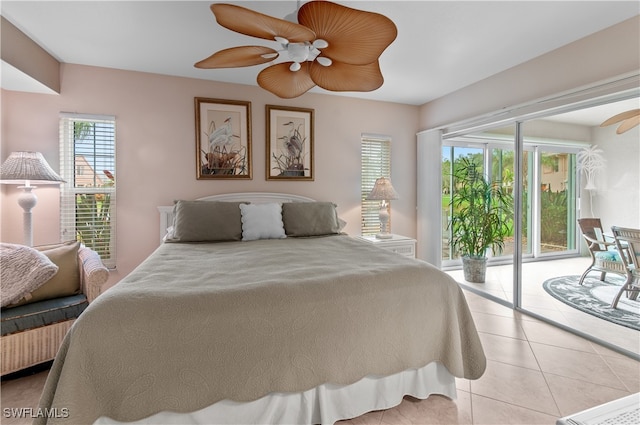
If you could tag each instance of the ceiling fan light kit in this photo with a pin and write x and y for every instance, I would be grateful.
(332, 46)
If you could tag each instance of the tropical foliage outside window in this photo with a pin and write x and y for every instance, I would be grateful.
(555, 193)
(88, 196)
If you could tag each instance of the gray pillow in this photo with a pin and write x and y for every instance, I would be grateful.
(206, 221)
(310, 218)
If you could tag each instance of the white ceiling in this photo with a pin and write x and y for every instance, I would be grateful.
(442, 46)
(596, 115)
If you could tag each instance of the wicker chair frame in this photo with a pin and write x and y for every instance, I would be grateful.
(628, 240)
(21, 350)
(596, 241)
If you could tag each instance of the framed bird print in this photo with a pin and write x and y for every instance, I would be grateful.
(223, 139)
(289, 143)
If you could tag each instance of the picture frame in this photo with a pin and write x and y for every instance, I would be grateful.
(223, 139)
(289, 140)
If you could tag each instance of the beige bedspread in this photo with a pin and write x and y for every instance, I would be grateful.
(199, 323)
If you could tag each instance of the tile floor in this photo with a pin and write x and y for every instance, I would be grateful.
(536, 373)
(499, 283)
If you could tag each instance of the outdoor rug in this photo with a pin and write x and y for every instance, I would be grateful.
(594, 297)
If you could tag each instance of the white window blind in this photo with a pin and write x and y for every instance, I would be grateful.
(375, 163)
(88, 198)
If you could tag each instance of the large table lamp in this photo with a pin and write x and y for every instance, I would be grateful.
(383, 191)
(25, 168)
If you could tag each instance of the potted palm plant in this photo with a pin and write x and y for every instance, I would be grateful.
(482, 218)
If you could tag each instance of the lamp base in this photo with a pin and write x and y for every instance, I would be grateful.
(384, 221)
(27, 200)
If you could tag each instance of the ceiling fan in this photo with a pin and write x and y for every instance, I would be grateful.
(629, 119)
(332, 46)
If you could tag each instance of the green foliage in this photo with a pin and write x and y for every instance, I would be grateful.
(482, 211)
(82, 129)
(93, 219)
(446, 183)
(553, 218)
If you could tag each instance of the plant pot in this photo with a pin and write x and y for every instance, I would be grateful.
(474, 268)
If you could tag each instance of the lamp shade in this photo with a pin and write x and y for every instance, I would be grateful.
(382, 190)
(21, 167)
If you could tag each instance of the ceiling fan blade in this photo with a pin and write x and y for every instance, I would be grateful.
(355, 37)
(255, 24)
(284, 83)
(628, 124)
(238, 56)
(346, 77)
(620, 117)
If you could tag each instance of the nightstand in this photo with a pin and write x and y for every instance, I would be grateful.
(399, 244)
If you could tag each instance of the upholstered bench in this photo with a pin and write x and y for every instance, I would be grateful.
(33, 328)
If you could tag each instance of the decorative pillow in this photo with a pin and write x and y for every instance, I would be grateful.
(67, 281)
(262, 221)
(206, 221)
(22, 270)
(310, 218)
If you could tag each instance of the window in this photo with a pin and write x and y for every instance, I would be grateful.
(88, 198)
(376, 162)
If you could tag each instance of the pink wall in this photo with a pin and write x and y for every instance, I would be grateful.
(155, 127)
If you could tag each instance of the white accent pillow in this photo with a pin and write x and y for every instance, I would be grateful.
(262, 221)
(23, 270)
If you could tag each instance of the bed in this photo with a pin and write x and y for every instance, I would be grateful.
(289, 322)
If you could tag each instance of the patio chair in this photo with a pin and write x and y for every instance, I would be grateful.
(605, 257)
(629, 240)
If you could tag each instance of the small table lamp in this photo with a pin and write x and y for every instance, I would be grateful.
(25, 168)
(383, 191)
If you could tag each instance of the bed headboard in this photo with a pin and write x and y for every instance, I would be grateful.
(166, 212)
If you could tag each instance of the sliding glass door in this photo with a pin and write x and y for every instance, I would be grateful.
(557, 199)
(549, 181)
(493, 157)
(548, 192)
(451, 157)
(551, 289)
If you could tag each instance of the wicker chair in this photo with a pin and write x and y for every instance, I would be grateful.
(605, 257)
(628, 240)
(38, 344)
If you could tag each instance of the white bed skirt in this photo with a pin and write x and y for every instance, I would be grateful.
(324, 404)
